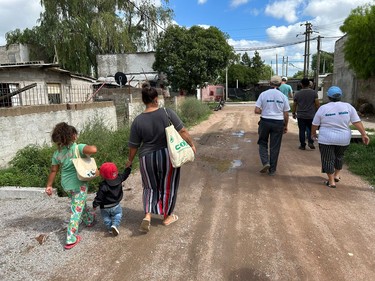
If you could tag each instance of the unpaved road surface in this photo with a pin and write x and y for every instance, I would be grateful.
(234, 223)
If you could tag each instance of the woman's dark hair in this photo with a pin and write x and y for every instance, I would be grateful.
(334, 99)
(63, 134)
(148, 94)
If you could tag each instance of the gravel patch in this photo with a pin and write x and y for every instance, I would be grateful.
(33, 233)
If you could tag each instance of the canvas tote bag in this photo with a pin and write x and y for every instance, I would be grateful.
(180, 151)
(86, 167)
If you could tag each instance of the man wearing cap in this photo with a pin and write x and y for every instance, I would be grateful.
(333, 120)
(110, 194)
(285, 88)
(274, 108)
(305, 104)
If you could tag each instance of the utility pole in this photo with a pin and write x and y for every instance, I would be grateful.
(317, 70)
(286, 66)
(277, 66)
(306, 62)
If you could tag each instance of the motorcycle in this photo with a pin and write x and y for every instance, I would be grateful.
(220, 105)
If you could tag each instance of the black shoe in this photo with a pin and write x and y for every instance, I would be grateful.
(265, 168)
(311, 145)
(302, 147)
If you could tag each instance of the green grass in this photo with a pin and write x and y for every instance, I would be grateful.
(360, 159)
(31, 165)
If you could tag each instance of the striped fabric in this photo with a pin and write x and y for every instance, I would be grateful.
(332, 157)
(160, 183)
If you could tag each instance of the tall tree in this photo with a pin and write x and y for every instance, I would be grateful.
(248, 71)
(359, 48)
(78, 30)
(191, 57)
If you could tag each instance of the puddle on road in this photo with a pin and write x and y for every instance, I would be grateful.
(222, 165)
(236, 163)
(239, 134)
(218, 164)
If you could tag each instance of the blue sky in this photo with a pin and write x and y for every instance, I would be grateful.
(263, 23)
(249, 23)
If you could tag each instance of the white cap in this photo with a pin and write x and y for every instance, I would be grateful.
(284, 78)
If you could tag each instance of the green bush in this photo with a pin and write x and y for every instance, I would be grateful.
(193, 111)
(29, 167)
(360, 159)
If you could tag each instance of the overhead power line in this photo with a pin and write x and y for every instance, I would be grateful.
(271, 47)
(147, 16)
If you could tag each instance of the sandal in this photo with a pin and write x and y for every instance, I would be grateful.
(69, 246)
(174, 219)
(145, 226)
(329, 185)
(337, 179)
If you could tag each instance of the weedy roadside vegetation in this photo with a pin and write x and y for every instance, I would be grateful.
(31, 165)
(360, 159)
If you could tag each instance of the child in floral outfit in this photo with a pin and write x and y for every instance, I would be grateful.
(64, 136)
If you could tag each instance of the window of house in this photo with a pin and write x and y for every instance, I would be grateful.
(54, 93)
(5, 99)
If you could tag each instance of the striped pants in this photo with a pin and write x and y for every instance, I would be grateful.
(160, 183)
(332, 157)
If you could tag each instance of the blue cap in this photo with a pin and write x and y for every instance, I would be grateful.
(334, 92)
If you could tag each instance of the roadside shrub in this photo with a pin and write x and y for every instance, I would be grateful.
(360, 159)
(30, 167)
(193, 111)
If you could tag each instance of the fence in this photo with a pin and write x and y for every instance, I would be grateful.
(11, 96)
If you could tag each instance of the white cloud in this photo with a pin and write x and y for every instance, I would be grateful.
(287, 10)
(18, 14)
(201, 2)
(236, 3)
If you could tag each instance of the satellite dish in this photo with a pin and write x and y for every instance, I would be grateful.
(120, 78)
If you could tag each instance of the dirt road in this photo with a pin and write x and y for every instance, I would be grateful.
(237, 224)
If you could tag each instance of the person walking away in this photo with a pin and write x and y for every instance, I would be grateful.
(274, 108)
(160, 180)
(305, 104)
(285, 88)
(165, 91)
(110, 194)
(65, 136)
(333, 120)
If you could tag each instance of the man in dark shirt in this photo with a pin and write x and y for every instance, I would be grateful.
(305, 104)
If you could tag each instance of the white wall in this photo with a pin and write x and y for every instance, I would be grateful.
(35, 128)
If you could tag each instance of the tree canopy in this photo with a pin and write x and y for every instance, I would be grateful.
(326, 62)
(75, 31)
(359, 47)
(248, 71)
(191, 57)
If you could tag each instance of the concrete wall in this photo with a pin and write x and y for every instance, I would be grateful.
(16, 53)
(22, 126)
(138, 65)
(356, 91)
(343, 77)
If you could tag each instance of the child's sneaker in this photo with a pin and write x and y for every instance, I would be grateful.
(115, 231)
